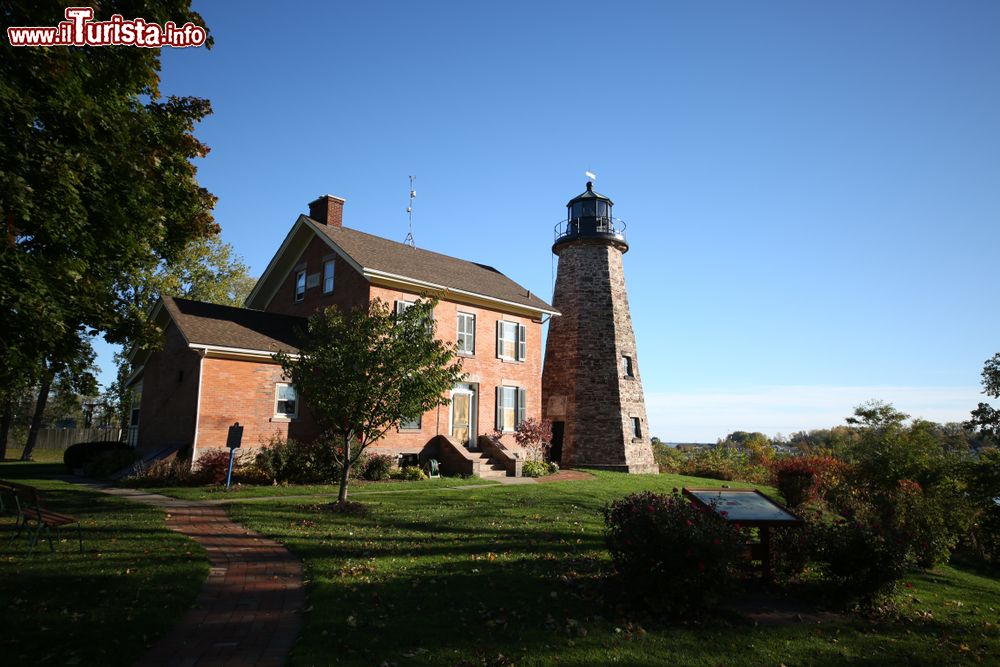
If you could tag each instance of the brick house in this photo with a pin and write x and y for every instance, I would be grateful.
(216, 367)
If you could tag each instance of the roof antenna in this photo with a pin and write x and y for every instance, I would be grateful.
(409, 214)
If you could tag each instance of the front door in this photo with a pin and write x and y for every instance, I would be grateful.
(463, 414)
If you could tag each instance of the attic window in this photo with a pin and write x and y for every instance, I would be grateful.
(328, 266)
(300, 286)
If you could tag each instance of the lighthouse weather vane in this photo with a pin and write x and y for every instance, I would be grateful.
(591, 175)
(409, 214)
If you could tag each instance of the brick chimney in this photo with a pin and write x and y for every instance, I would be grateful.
(327, 210)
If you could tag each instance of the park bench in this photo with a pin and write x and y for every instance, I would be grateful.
(25, 502)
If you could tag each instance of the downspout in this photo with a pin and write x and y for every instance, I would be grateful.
(197, 407)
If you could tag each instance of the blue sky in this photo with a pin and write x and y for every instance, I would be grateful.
(811, 189)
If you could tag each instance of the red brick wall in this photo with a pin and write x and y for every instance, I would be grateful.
(169, 395)
(483, 368)
(350, 289)
(243, 391)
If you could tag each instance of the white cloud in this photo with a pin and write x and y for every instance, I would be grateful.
(707, 414)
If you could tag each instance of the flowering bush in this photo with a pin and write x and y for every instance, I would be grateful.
(670, 550)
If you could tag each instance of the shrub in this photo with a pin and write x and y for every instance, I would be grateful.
(377, 467)
(670, 550)
(212, 466)
(535, 435)
(108, 463)
(802, 478)
(165, 472)
(538, 469)
(726, 463)
(669, 459)
(292, 461)
(78, 455)
(408, 473)
(863, 561)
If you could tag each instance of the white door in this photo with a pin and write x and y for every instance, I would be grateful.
(463, 414)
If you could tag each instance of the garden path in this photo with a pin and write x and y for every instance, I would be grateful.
(248, 611)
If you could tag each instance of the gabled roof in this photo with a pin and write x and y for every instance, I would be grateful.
(379, 259)
(400, 260)
(208, 324)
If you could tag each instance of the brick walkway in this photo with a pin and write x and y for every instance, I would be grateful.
(248, 612)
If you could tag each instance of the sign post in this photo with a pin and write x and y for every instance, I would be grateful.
(233, 441)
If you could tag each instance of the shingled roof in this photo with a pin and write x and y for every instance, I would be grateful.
(226, 326)
(379, 254)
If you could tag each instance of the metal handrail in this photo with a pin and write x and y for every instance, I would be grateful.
(605, 225)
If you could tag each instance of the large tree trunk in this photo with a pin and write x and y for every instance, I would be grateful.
(36, 419)
(6, 420)
(345, 471)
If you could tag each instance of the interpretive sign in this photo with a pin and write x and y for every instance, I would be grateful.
(748, 507)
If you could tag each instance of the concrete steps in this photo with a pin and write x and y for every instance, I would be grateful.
(490, 469)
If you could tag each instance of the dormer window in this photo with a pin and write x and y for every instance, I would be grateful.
(300, 285)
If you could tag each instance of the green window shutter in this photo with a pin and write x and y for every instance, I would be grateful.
(521, 406)
(522, 333)
(499, 409)
(499, 338)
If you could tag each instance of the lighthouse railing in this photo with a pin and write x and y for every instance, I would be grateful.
(590, 225)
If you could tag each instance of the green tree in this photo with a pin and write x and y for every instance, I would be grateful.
(363, 372)
(96, 183)
(986, 418)
(69, 369)
(208, 269)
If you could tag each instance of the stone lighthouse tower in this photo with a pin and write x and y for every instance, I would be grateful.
(590, 383)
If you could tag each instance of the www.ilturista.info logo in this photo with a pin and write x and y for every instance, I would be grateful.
(80, 30)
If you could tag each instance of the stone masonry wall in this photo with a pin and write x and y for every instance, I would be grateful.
(583, 382)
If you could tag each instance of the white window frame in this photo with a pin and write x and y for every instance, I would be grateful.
(510, 400)
(329, 266)
(517, 334)
(469, 335)
(277, 399)
(300, 279)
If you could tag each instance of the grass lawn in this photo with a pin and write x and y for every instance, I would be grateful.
(515, 573)
(356, 487)
(133, 581)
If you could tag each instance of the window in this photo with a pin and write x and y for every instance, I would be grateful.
(411, 425)
(328, 276)
(511, 341)
(286, 401)
(627, 366)
(511, 403)
(402, 306)
(466, 333)
(300, 285)
(636, 428)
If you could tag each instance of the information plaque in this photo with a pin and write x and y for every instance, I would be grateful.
(748, 507)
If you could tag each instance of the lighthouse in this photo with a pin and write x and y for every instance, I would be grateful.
(591, 387)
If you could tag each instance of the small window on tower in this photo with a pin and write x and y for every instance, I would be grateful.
(627, 366)
(636, 428)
